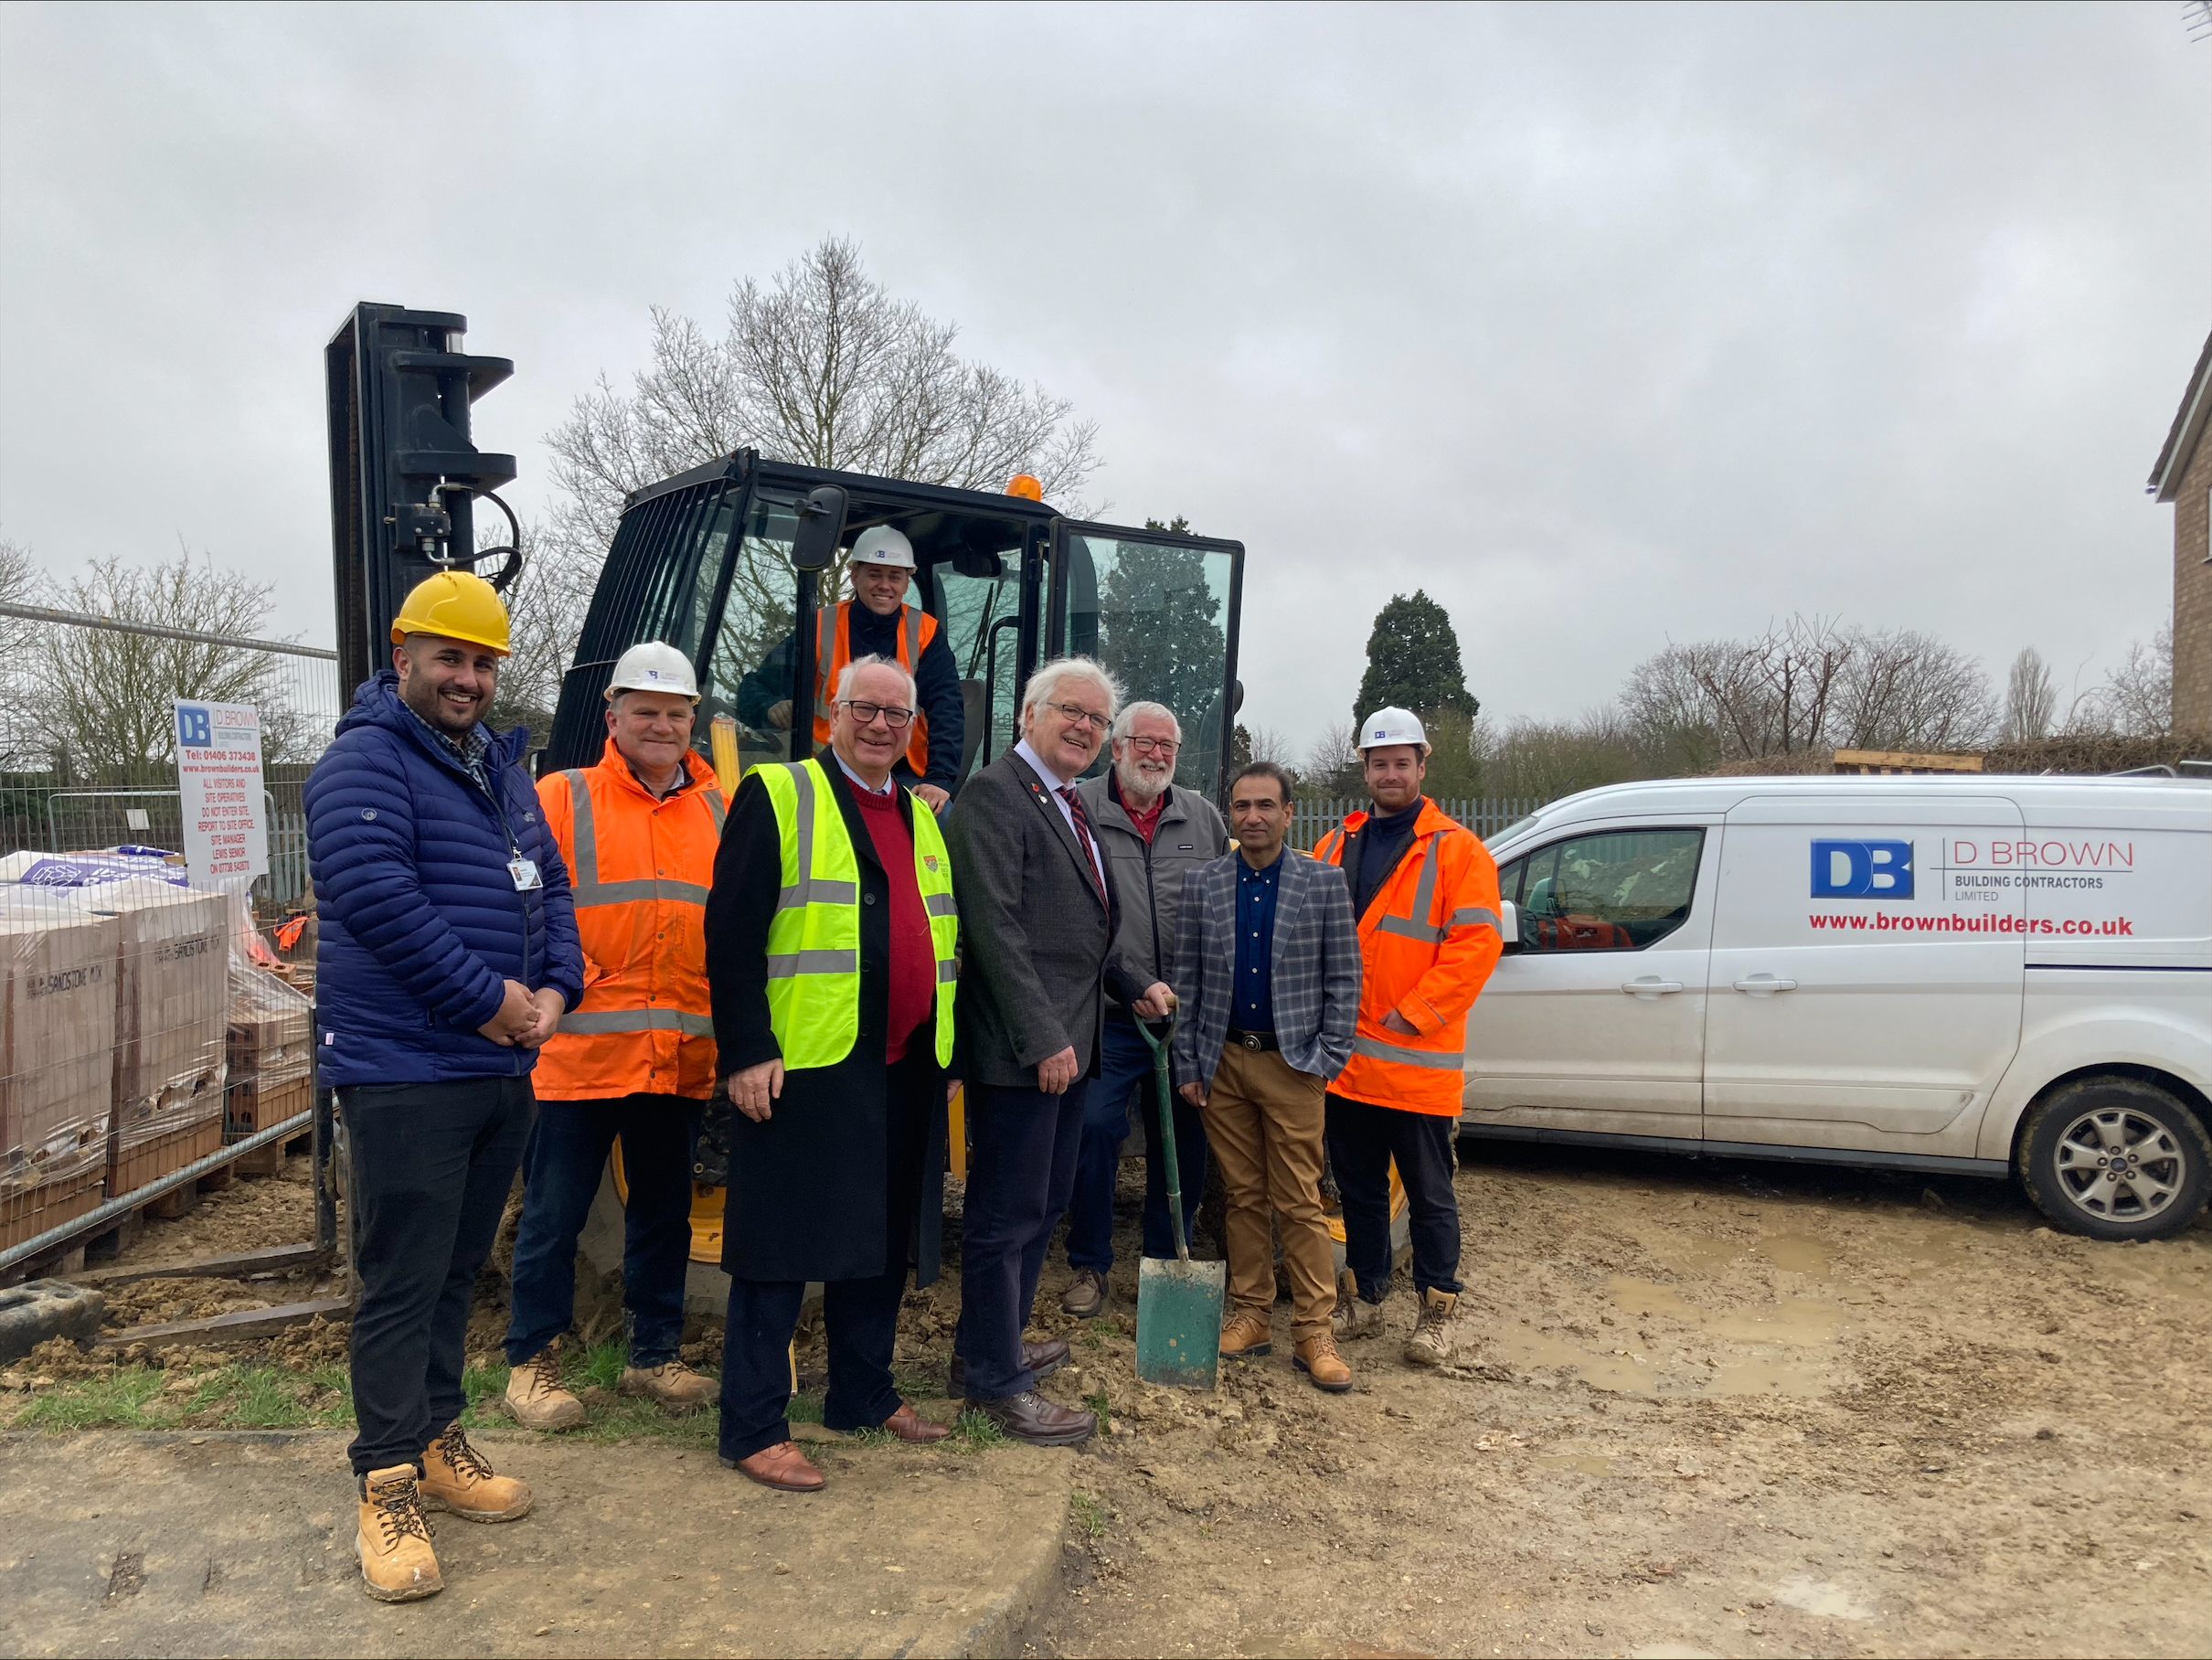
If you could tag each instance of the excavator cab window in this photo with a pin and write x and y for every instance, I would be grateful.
(1159, 611)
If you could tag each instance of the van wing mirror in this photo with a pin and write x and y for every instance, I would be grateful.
(1509, 924)
(820, 522)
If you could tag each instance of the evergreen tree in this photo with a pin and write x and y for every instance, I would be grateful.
(1413, 662)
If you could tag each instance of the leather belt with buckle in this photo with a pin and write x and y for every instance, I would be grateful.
(1257, 1041)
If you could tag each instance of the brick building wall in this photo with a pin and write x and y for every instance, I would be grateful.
(2193, 595)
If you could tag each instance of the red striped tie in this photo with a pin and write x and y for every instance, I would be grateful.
(1091, 842)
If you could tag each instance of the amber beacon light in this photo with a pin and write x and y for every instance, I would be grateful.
(1026, 485)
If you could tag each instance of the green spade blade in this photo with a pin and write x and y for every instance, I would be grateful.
(1179, 1322)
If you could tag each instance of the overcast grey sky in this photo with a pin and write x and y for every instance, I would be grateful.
(1605, 324)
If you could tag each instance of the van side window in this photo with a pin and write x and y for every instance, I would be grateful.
(1619, 891)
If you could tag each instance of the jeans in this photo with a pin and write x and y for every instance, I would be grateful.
(428, 1167)
(1125, 1064)
(1363, 1140)
(561, 1171)
(1022, 1145)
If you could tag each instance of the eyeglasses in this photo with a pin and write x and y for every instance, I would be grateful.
(1154, 746)
(865, 713)
(1074, 712)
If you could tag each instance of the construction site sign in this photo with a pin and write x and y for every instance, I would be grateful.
(218, 784)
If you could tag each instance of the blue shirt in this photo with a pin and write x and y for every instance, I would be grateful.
(1252, 997)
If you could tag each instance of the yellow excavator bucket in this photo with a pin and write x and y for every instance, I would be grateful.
(706, 1212)
(1334, 1214)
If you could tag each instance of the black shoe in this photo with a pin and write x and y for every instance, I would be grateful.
(1043, 1359)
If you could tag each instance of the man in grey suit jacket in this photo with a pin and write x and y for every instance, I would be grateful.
(1267, 960)
(1037, 917)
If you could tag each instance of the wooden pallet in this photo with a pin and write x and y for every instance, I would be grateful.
(29, 1211)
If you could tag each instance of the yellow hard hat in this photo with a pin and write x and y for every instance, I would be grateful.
(455, 604)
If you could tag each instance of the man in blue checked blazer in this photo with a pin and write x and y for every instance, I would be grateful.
(1266, 963)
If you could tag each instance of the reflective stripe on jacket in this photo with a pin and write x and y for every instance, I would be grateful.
(1427, 943)
(640, 869)
(814, 940)
(833, 649)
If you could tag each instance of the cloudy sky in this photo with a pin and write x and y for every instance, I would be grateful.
(1606, 325)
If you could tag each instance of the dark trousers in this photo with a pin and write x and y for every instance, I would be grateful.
(1022, 1146)
(1363, 1140)
(429, 1166)
(1125, 1066)
(859, 1317)
(561, 1172)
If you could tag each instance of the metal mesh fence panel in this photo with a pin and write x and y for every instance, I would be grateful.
(88, 752)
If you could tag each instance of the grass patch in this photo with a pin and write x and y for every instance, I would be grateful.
(125, 1400)
(1090, 1515)
(972, 1432)
(1096, 1402)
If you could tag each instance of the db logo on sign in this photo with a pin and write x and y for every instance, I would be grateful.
(194, 731)
(1862, 870)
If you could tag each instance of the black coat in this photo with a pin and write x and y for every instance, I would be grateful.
(809, 1193)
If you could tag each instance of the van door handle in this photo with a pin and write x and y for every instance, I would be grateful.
(1765, 985)
(1650, 988)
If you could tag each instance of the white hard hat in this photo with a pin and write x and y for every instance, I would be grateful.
(1391, 725)
(654, 667)
(882, 546)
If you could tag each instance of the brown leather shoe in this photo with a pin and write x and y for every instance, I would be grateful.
(781, 1466)
(1043, 1359)
(911, 1426)
(1318, 1359)
(1247, 1334)
(1085, 1297)
(1029, 1417)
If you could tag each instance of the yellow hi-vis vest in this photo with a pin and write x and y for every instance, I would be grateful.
(814, 940)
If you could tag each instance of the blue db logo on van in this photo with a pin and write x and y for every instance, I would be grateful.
(1862, 870)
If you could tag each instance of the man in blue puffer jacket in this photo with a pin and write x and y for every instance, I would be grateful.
(448, 954)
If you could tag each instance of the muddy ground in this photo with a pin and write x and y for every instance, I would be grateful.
(1706, 1407)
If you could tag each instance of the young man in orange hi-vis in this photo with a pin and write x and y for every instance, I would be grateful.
(635, 1058)
(1425, 890)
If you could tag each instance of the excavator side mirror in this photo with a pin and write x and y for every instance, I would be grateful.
(820, 522)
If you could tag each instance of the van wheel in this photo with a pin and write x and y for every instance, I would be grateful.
(2115, 1158)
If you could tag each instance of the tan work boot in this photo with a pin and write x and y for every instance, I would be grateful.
(393, 1541)
(536, 1397)
(1318, 1359)
(456, 1477)
(1354, 1316)
(1433, 1342)
(674, 1385)
(1247, 1334)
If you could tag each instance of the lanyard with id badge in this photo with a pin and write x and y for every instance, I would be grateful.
(524, 872)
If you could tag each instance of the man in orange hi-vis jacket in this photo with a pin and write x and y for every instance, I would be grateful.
(1426, 892)
(635, 1058)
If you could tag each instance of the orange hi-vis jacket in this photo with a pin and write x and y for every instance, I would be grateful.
(640, 869)
(1428, 939)
(833, 649)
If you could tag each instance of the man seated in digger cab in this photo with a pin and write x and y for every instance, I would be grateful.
(875, 622)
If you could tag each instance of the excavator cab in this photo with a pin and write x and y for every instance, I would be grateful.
(730, 561)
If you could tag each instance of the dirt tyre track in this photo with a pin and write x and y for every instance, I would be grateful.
(2084, 1140)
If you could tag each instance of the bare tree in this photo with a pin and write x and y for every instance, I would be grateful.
(1902, 689)
(820, 366)
(1332, 766)
(2136, 698)
(2031, 699)
(102, 699)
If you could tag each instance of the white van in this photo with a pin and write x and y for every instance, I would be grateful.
(1983, 975)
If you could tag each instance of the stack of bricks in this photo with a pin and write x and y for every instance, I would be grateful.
(58, 1011)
